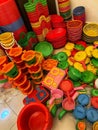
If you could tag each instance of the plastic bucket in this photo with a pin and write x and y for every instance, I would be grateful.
(35, 115)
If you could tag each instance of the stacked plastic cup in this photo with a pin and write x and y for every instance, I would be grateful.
(38, 14)
(74, 30)
(15, 54)
(10, 18)
(79, 14)
(65, 9)
(33, 65)
(17, 78)
(8, 41)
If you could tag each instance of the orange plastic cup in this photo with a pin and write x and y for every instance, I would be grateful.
(28, 89)
(16, 53)
(29, 57)
(10, 69)
(21, 81)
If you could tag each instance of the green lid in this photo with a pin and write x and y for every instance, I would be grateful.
(74, 74)
(63, 65)
(79, 47)
(94, 92)
(94, 61)
(87, 76)
(54, 56)
(62, 56)
(76, 83)
(45, 48)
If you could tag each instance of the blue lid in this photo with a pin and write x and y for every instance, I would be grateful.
(83, 99)
(92, 115)
(79, 10)
(79, 112)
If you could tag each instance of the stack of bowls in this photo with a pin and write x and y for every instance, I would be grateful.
(57, 21)
(57, 37)
(74, 30)
(90, 32)
(65, 9)
(7, 41)
(38, 14)
(79, 14)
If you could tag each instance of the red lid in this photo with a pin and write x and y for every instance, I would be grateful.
(83, 43)
(56, 18)
(55, 33)
(66, 85)
(94, 102)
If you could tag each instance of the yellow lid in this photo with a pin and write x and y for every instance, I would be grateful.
(95, 126)
(79, 66)
(87, 60)
(70, 62)
(69, 46)
(95, 53)
(67, 52)
(91, 68)
(80, 56)
(89, 50)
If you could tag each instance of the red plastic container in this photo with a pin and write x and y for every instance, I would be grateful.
(34, 116)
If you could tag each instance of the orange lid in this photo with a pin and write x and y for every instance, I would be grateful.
(81, 125)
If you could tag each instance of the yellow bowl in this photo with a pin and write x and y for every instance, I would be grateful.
(91, 29)
(6, 35)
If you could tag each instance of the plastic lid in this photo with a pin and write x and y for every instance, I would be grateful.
(95, 126)
(56, 18)
(61, 56)
(87, 76)
(66, 85)
(79, 112)
(74, 74)
(83, 99)
(94, 61)
(45, 48)
(63, 65)
(92, 115)
(94, 102)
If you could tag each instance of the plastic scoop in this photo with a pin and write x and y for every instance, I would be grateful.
(67, 87)
(56, 94)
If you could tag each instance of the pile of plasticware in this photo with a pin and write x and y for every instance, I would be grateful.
(37, 12)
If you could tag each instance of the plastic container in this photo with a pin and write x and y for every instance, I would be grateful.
(10, 69)
(29, 57)
(16, 53)
(35, 115)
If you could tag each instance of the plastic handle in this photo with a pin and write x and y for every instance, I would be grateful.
(61, 114)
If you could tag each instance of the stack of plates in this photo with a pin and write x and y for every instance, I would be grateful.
(90, 32)
(74, 30)
(57, 37)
